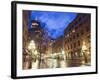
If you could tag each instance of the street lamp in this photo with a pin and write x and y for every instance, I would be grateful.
(84, 52)
(31, 45)
(62, 55)
(84, 46)
(33, 54)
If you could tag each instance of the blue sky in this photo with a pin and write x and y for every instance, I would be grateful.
(54, 22)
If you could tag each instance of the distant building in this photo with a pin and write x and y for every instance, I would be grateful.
(35, 30)
(77, 36)
(58, 45)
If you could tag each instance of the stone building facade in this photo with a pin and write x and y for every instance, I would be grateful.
(77, 40)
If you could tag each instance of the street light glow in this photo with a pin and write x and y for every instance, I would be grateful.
(84, 46)
(31, 45)
(63, 52)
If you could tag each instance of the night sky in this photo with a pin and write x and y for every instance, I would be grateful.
(53, 22)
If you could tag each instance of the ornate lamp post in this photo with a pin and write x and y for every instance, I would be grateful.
(36, 44)
(84, 53)
(34, 54)
(63, 61)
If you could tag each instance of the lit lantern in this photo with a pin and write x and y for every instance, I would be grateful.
(31, 45)
(73, 30)
(84, 46)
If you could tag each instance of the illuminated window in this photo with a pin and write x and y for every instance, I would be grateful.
(73, 30)
(68, 35)
(35, 24)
